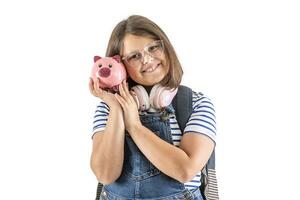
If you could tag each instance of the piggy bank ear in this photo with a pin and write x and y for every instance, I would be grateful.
(96, 58)
(117, 58)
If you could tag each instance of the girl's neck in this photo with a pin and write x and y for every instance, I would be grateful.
(148, 88)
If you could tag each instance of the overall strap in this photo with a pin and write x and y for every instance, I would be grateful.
(183, 105)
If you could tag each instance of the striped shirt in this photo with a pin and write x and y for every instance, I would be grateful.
(202, 121)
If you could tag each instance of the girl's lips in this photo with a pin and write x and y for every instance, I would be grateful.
(151, 69)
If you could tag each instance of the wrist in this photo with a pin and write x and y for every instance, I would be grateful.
(114, 106)
(116, 116)
(116, 110)
(135, 127)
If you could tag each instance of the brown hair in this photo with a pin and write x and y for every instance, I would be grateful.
(142, 26)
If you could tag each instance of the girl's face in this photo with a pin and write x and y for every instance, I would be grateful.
(148, 66)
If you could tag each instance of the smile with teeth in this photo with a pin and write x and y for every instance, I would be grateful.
(151, 69)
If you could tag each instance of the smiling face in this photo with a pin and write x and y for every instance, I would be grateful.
(152, 69)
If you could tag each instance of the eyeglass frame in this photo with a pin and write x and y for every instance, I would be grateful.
(142, 52)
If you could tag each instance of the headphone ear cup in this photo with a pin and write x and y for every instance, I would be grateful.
(161, 97)
(154, 96)
(141, 97)
(166, 96)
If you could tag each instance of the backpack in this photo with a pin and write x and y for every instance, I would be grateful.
(208, 187)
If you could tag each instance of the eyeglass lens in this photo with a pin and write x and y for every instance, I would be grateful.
(154, 50)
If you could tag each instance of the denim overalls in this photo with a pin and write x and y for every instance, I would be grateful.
(140, 179)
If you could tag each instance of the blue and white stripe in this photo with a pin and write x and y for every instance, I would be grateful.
(100, 117)
(203, 119)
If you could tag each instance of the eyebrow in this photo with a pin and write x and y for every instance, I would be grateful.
(131, 53)
(137, 50)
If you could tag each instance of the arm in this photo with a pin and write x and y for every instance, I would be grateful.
(108, 149)
(107, 155)
(196, 145)
(181, 163)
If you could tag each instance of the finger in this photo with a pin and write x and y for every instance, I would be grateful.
(91, 85)
(127, 92)
(120, 100)
(132, 93)
(97, 86)
(125, 86)
(121, 90)
(133, 96)
(98, 90)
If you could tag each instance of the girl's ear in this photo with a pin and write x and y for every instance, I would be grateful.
(96, 58)
(117, 58)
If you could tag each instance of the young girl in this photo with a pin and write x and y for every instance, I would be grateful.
(136, 155)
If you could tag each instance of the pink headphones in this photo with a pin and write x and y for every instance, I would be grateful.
(159, 97)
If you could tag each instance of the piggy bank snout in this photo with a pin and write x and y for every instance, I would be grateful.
(104, 72)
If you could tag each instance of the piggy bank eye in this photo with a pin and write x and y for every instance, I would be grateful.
(110, 65)
(100, 65)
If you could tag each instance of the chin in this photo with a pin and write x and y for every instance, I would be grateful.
(152, 82)
(151, 79)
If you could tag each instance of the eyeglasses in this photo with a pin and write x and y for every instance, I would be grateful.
(155, 49)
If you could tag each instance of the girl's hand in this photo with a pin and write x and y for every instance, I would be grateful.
(106, 96)
(129, 106)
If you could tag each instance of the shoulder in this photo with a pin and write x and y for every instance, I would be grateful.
(201, 99)
(102, 107)
(197, 97)
(203, 118)
(100, 117)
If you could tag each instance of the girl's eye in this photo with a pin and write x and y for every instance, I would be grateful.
(100, 65)
(136, 56)
(153, 48)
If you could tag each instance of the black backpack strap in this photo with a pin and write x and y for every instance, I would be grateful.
(209, 183)
(99, 190)
(183, 105)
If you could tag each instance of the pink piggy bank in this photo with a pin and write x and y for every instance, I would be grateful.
(110, 71)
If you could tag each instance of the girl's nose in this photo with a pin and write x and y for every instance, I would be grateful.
(147, 58)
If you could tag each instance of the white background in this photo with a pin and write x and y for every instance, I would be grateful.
(243, 54)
